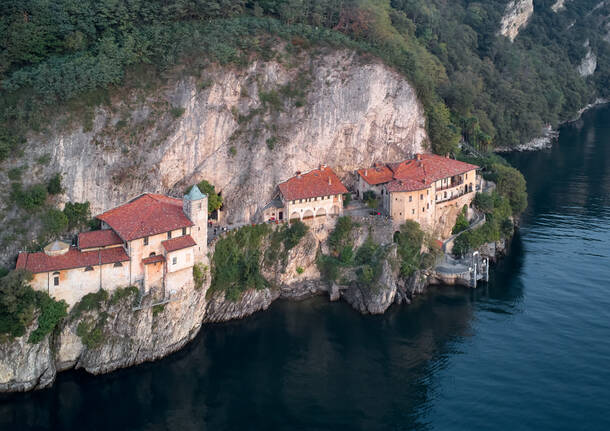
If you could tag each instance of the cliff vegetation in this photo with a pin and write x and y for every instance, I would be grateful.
(471, 81)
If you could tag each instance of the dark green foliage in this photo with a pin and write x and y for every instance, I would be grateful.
(469, 80)
(410, 239)
(370, 199)
(14, 174)
(89, 302)
(77, 214)
(91, 333)
(214, 199)
(328, 267)
(511, 184)
(200, 274)
(271, 142)
(177, 111)
(123, 292)
(497, 225)
(19, 303)
(293, 234)
(31, 198)
(159, 308)
(461, 222)
(366, 252)
(54, 222)
(484, 202)
(54, 186)
(346, 255)
(51, 313)
(236, 262)
(340, 236)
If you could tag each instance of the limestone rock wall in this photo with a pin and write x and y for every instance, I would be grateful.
(588, 65)
(129, 337)
(516, 16)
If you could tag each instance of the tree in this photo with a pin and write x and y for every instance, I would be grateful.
(409, 238)
(77, 213)
(510, 183)
(214, 199)
(17, 303)
(54, 187)
(55, 222)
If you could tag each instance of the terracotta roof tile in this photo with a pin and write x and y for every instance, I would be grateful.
(146, 215)
(153, 259)
(405, 186)
(98, 238)
(74, 258)
(376, 175)
(319, 182)
(425, 171)
(178, 243)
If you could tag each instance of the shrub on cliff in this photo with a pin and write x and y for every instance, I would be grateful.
(200, 274)
(236, 262)
(214, 199)
(19, 303)
(511, 184)
(340, 236)
(409, 238)
(461, 223)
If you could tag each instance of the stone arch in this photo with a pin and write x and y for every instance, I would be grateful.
(308, 214)
(321, 212)
(295, 216)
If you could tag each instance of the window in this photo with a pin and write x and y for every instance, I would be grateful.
(445, 195)
(169, 235)
(423, 209)
(174, 260)
(413, 211)
(466, 176)
(421, 197)
(56, 279)
(145, 240)
(410, 198)
(199, 206)
(428, 206)
(89, 268)
(118, 264)
(183, 231)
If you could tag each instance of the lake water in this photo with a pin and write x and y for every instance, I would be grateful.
(530, 350)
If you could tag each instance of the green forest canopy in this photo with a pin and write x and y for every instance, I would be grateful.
(471, 82)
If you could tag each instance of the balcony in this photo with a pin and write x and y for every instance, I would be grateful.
(453, 192)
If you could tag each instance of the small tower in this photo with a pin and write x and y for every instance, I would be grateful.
(195, 207)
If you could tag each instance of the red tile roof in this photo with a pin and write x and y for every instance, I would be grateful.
(319, 182)
(425, 170)
(74, 258)
(98, 238)
(146, 215)
(178, 243)
(405, 186)
(376, 175)
(153, 259)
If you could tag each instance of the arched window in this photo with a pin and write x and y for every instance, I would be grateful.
(152, 254)
(88, 268)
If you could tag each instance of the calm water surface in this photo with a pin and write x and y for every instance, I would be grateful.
(531, 350)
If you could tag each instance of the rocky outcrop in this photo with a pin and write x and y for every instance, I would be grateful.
(221, 309)
(25, 366)
(377, 297)
(127, 337)
(516, 16)
(588, 65)
(558, 5)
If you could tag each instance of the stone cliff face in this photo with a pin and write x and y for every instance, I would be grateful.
(352, 114)
(128, 337)
(588, 65)
(516, 16)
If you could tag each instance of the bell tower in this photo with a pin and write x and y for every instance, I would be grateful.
(195, 207)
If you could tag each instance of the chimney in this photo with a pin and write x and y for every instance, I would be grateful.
(330, 182)
(366, 172)
(298, 174)
(322, 167)
(418, 156)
